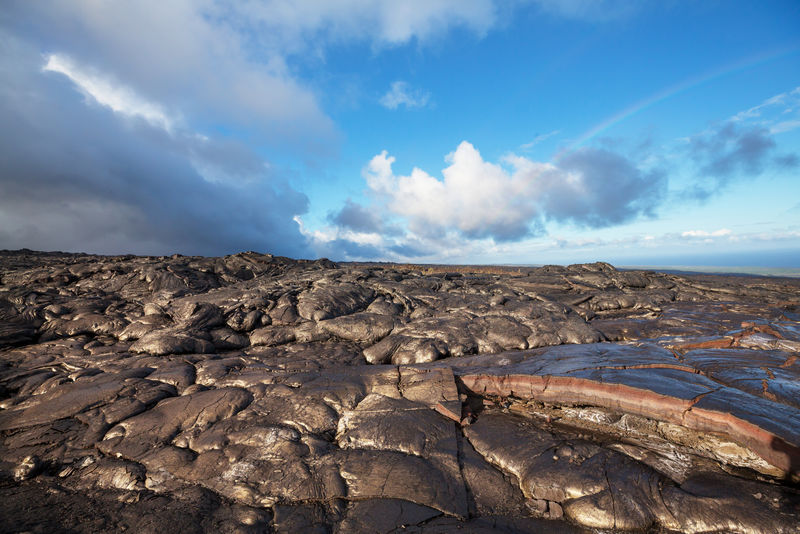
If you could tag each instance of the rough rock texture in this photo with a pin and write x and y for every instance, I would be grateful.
(254, 393)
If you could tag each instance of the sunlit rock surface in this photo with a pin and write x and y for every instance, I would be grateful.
(254, 393)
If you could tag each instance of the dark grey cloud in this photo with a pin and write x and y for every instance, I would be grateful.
(512, 229)
(735, 150)
(787, 161)
(356, 217)
(599, 188)
(341, 249)
(410, 250)
(74, 175)
(729, 152)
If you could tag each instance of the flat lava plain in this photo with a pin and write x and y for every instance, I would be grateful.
(255, 393)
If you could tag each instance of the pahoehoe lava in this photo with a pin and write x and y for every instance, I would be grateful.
(256, 393)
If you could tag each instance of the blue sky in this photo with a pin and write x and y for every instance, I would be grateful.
(453, 131)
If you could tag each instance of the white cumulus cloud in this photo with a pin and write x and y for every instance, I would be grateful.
(512, 199)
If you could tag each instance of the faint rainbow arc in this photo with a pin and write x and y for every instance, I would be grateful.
(684, 85)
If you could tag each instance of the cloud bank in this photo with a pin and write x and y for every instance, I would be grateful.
(116, 139)
(93, 166)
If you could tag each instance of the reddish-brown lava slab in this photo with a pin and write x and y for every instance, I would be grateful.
(633, 380)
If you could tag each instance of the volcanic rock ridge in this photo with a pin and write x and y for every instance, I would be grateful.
(255, 393)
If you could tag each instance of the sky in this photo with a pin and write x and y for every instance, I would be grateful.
(424, 131)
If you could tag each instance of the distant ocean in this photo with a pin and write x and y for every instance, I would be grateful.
(717, 269)
(785, 262)
(764, 263)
